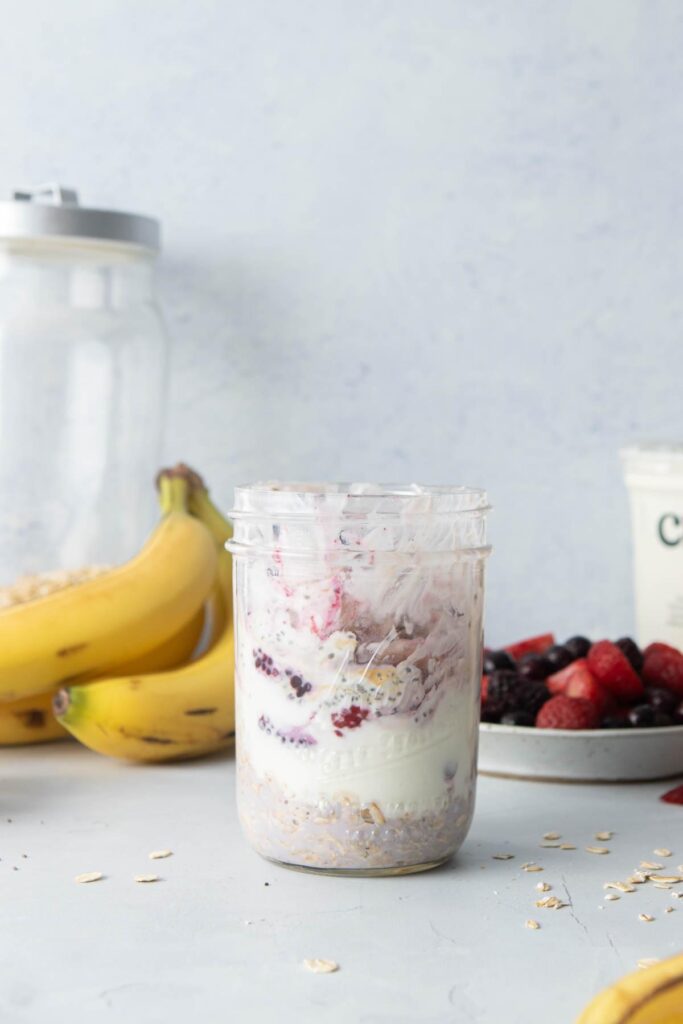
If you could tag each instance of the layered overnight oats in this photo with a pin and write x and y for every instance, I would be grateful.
(359, 634)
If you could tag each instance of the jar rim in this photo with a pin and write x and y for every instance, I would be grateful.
(350, 500)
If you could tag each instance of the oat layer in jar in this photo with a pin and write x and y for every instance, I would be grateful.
(359, 635)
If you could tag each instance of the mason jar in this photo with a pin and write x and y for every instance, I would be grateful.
(358, 615)
(83, 355)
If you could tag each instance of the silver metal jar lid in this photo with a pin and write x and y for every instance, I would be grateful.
(52, 211)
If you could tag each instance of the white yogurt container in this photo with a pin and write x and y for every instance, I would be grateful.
(654, 477)
(358, 613)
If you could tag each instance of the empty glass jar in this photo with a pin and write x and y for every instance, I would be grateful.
(83, 357)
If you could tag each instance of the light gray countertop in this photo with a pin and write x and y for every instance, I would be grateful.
(223, 934)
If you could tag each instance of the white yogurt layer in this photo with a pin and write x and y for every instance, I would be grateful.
(398, 763)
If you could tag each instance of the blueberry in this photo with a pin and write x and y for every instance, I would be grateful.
(661, 700)
(559, 657)
(642, 716)
(632, 651)
(614, 722)
(517, 718)
(535, 666)
(578, 646)
(662, 719)
(494, 660)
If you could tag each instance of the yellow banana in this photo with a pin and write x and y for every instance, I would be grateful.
(116, 617)
(29, 721)
(171, 654)
(162, 717)
(650, 996)
(201, 505)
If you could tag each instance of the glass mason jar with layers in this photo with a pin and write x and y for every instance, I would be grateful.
(359, 635)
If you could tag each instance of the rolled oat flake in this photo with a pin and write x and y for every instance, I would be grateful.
(319, 966)
(89, 876)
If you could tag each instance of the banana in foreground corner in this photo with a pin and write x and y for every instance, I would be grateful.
(29, 721)
(162, 717)
(118, 616)
(650, 996)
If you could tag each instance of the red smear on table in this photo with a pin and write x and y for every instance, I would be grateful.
(674, 796)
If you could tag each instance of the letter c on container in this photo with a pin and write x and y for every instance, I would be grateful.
(670, 529)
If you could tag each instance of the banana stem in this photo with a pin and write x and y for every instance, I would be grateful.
(174, 492)
(196, 499)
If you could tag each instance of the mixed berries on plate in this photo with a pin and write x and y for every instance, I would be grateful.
(583, 685)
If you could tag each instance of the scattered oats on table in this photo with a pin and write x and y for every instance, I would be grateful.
(534, 925)
(669, 910)
(552, 835)
(318, 966)
(663, 852)
(650, 865)
(503, 856)
(567, 846)
(612, 896)
(645, 917)
(543, 887)
(160, 854)
(531, 867)
(550, 903)
(89, 876)
(603, 837)
(648, 961)
(549, 846)
(146, 878)
(621, 886)
(597, 849)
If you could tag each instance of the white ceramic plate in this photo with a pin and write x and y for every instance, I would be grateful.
(580, 755)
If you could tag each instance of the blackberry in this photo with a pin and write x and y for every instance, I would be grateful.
(501, 686)
(578, 646)
(513, 693)
(535, 666)
(492, 711)
(632, 651)
(494, 660)
(530, 696)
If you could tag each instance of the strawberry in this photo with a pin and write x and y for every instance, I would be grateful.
(567, 713)
(557, 682)
(583, 683)
(613, 670)
(577, 680)
(534, 645)
(663, 666)
(674, 796)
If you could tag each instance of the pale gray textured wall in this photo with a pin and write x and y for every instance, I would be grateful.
(434, 241)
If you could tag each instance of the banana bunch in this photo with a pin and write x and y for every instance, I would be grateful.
(650, 996)
(117, 646)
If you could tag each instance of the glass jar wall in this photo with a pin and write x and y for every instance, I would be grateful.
(82, 385)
